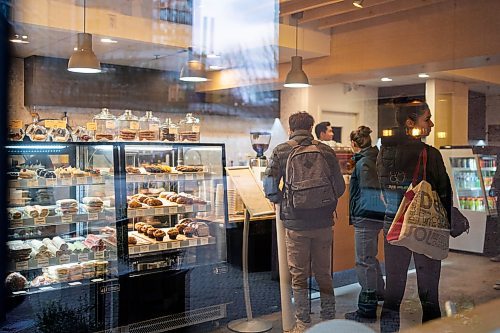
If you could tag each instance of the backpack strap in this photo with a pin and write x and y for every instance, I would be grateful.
(292, 143)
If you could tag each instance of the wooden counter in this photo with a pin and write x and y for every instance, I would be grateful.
(343, 243)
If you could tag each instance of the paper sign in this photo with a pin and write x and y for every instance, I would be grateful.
(67, 219)
(83, 257)
(66, 182)
(134, 125)
(110, 124)
(193, 242)
(99, 255)
(50, 181)
(60, 123)
(144, 248)
(64, 259)
(91, 126)
(22, 265)
(43, 262)
(39, 220)
(16, 124)
(159, 211)
(93, 216)
(188, 177)
(51, 123)
(162, 246)
(16, 223)
(203, 241)
(175, 245)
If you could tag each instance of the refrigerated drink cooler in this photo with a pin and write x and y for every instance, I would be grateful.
(471, 171)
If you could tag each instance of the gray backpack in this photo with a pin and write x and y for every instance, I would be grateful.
(307, 179)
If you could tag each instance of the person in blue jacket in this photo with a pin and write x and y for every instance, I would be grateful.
(366, 214)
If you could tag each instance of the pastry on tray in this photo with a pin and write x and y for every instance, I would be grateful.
(159, 234)
(132, 240)
(134, 204)
(172, 233)
(150, 232)
(153, 202)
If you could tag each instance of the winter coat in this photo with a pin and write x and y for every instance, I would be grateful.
(396, 163)
(275, 173)
(366, 208)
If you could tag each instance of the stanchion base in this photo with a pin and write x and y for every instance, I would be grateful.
(249, 326)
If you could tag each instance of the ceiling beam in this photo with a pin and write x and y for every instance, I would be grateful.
(297, 6)
(373, 12)
(336, 9)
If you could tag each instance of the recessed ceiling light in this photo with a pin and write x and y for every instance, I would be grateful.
(423, 75)
(215, 68)
(386, 79)
(108, 41)
(20, 39)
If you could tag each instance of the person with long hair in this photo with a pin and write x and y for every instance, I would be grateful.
(366, 214)
(396, 162)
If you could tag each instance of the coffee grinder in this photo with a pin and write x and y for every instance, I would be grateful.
(260, 143)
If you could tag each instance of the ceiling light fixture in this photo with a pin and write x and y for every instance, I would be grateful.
(19, 39)
(423, 75)
(193, 70)
(108, 41)
(296, 78)
(84, 60)
(358, 3)
(386, 79)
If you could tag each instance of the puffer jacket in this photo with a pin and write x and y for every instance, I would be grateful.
(396, 163)
(366, 208)
(276, 170)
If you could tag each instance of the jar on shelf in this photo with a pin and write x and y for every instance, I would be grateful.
(169, 131)
(149, 127)
(59, 134)
(82, 134)
(16, 130)
(189, 129)
(128, 126)
(105, 126)
(36, 131)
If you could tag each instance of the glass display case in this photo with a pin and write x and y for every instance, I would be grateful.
(471, 173)
(110, 220)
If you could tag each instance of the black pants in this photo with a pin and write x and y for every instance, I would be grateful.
(397, 261)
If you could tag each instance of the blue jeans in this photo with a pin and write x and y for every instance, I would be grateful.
(368, 269)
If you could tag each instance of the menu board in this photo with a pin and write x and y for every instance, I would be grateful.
(250, 192)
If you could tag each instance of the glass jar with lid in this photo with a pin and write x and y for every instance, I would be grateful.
(59, 134)
(105, 126)
(35, 131)
(169, 131)
(189, 129)
(149, 127)
(128, 126)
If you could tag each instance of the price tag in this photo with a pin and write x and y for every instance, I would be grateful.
(43, 262)
(99, 255)
(159, 177)
(22, 265)
(203, 241)
(51, 123)
(64, 259)
(193, 242)
(91, 126)
(93, 216)
(159, 211)
(110, 124)
(188, 209)
(131, 212)
(162, 246)
(16, 124)
(196, 128)
(39, 220)
(83, 257)
(144, 248)
(200, 175)
(172, 210)
(175, 245)
(16, 223)
(134, 125)
(174, 177)
(81, 180)
(181, 209)
(66, 182)
(76, 283)
(60, 123)
(139, 212)
(188, 176)
(98, 180)
(67, 218)
(32, 183)
(202, 208)
(46, 288)
(50, 181)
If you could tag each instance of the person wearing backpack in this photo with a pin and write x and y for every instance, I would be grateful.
(366, 214)
(313, 183)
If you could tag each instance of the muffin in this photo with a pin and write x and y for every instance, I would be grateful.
(188, 231)
(180, 228)
(172, 233)
(132, 240)
(150, 232)
(144, 228)
(139, 225)
(159, 234)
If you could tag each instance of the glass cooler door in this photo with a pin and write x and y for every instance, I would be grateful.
(488, 166)
(469, 186)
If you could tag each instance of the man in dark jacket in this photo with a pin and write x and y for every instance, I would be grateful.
(309, 232)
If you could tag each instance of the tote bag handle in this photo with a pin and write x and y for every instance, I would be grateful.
(421, 158)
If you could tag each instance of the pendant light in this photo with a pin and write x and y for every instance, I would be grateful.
(83, 60)
(193, 70)
(296, 78)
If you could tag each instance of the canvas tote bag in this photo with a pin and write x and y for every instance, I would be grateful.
(420, 223)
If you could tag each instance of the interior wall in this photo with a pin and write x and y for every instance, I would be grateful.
(492, 113)
(233, 131)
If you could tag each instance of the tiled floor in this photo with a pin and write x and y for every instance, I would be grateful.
(466, 280)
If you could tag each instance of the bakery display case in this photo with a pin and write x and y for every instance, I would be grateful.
(112, 219)
(62, 230)
(471, 171)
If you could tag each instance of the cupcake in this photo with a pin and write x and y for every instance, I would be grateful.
(159, 234)
(172, 233)
(150, 232)
(188, 231)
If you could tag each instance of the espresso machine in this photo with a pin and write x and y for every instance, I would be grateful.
(260, 143)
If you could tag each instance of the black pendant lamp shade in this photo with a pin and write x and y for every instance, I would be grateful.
(296, 78)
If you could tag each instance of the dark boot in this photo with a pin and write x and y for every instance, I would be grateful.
(367, 303)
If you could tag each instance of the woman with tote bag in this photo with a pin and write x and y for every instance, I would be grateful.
(396, 163)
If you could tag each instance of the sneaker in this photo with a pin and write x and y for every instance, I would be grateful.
(360, 317)
(380, 299)
(496, 258)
